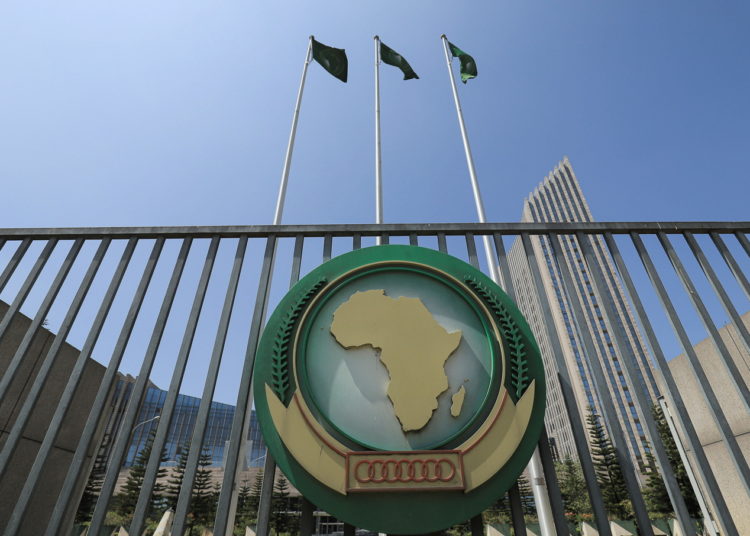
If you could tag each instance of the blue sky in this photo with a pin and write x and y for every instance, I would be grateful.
(174, 113)
(178, 113)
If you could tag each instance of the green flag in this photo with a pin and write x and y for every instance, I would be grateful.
(468, 65)
(331, 59)
(391, 57)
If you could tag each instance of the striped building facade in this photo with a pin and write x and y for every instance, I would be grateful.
(559, 198)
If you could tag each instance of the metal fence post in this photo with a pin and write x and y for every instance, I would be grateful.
(213, 366)
(563, 268)
(571, 407)
(59, 511)
(243, 398)
(723, 514)
(612, 420)
(628, 359)
(139, 391)
(165, 421)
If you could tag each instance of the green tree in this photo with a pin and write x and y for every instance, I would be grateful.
(498, 512)
(295, 514)
(655, 492)
(527, 496)
(91, 491)
(673, 454)
(202, 503)
(243, 506)
(280, 505)
(573, 488)
(215, 492)
(254, 501)
(132, 487)
(608, 471)
(174, 483)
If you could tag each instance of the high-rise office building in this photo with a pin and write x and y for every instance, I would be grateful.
(559, 198)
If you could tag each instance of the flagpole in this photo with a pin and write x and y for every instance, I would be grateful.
(276, 221)
(378, 160)
(491, 262)
(539, 487)
(290, 146)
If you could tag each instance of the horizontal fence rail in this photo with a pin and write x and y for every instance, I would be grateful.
(366, 229)
(93, 321)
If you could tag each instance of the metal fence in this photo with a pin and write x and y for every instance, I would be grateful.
(186, 306)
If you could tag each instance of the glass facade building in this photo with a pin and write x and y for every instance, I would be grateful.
(218, 429)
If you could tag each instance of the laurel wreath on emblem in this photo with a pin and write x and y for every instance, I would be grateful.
(519, 368)
(280, 350)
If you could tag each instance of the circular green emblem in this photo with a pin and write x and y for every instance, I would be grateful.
(399, 389)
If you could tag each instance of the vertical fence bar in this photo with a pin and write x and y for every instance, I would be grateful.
(385, 238)
(719, 289)
(60, 509)
(673, 391)
(553, 487)
(743, 241)
(505, 279)
(709, 523)
(212, 373)
(269, 465)
(10, 268)
(266, 496)
(299, 243)
(471, 250)
(516, 511)
(357, 241)
(23, 292)
(739, 275)
(568, 396)
(235, 491)
(31, 331)
(610, 413)
(14, 436)
(243, 396)
(306, 518)
(584, 455)
(628, 358)
(548, 467)
(165, 421)
(139, 391)
(477, 525)
(442, 244)
(327, 243)
(413, 240)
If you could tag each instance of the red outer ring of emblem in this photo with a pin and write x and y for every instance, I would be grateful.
(430, 470)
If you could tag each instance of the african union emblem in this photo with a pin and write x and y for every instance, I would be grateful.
(399, 389)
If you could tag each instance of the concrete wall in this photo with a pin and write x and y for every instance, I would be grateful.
(56, 467)
(735, 410)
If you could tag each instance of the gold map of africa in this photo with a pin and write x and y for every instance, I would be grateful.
(413, 347)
